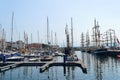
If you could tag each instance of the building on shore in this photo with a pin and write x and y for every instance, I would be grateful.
(37, 46)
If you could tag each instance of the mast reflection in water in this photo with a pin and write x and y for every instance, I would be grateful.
(98, 68)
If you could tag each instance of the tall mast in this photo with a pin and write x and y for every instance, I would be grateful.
(96, 34)
(19, 41)
(55, 38)
(24, 40)
(67, 36)
(12, 30)
(95, 30)
(87, 40)
(31, 41)
(71, 32)
(82, 40)
(111, 42)
(31, 38)
(48, 31)
(38, 40)
(106, 38)
(114, 39)
(38, 36)
(52, 37)
(3, 40)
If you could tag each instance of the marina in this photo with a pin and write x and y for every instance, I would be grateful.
(59, 40)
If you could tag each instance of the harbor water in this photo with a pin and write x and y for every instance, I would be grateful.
(98, 68)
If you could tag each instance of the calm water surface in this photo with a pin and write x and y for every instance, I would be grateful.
(98, 68)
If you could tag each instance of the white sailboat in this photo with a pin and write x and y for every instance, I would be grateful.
(15, 56)
(46, 55)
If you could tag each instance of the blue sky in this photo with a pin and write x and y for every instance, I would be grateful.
(31, 16)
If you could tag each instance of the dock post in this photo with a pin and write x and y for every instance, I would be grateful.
(64, 58)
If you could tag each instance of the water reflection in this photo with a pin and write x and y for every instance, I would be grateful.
(70, 72)
(64, 70)
(98, 61)
(102, 67)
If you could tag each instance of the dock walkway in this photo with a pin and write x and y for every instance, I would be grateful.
(82, 65)
(43, 65)
(46, 66)
(8, 66)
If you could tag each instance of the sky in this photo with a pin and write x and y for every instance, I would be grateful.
(30, 16)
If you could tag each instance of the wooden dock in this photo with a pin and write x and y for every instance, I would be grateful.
(44, 65)
(78, 63)
(8, 66)
(82, 65)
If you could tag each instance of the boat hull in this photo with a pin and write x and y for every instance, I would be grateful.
(100, 52)
(48, 58)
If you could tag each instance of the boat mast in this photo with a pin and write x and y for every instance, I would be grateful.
(96, 34)
(48, 31)
(12, 31)
(71, 32)
(98, 31)
(31, 42)
(82, 40)
(24, 41)
(67, 36)
(18, 41)
(111, 42)
(112, 37)
(95, 27)
(51, 37)
(3, 41)
(38, 40)
(106, 38)
(38, 36)
(87, 40)
(55, 38)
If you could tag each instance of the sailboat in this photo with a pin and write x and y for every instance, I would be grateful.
(69, 52)
(3, 51)
(47, 55)
(15, 56)
(98, 50)
(88, 49)
(82, 43)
